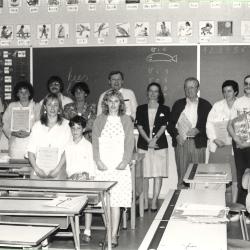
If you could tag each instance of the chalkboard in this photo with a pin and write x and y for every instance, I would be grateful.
(168, 65)
(14, 67)
(220, 63)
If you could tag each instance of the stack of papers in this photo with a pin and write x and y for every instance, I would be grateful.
(200, 213)
(212, 174)
(67, 202)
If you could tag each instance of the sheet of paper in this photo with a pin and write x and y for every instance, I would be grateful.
(183, 125)
(20, 119)
(67, 202)
(221, 132)
(47, 158)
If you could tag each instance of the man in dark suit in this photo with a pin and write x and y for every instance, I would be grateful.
(188, 128)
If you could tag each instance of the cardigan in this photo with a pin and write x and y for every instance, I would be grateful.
(127, 124)
(161, 119)
(203, 109)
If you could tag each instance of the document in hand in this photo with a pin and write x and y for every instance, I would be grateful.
(67, 202)
(183, 126)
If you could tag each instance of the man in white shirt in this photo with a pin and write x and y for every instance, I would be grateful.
(240, 146)
(116, 80)
(55, 86)
(188, 128)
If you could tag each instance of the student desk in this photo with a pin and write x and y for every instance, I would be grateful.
(168, 233)
(15, 168)
(24, 235)
(37, 207)
(211, 175)
(65, 186)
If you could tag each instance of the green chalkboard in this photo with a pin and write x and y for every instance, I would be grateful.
(220, 63)
(168, 65)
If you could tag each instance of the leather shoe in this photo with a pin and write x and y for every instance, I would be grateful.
(153, 210)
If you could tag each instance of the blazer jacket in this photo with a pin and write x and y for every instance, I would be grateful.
(161, 119)
(203, 109)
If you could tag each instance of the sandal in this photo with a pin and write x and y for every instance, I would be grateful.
(114, 241)
(86, 238)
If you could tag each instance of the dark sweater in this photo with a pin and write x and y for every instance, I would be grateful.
(202, 111)
(161, 119)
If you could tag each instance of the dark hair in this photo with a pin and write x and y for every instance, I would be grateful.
(43, 112)
(161, 98)
(23, 85)
(107, 96)
(79, 120)
(233, 84)
(248, 76)
(82, 86)
(115, 72)
(55, 79)
(192, 79)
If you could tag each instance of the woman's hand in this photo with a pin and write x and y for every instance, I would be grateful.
(152, 143)
(39, 172)
(121, 166)
(20, 134)
(101, 166)
(54, 172)
(219, 143)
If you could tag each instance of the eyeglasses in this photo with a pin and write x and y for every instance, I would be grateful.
(247, 83)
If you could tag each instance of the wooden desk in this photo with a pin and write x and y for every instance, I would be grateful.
(15, 168)
(208, 175)
(66, 186)
(37, 207)
(24, 235)
(168, 233)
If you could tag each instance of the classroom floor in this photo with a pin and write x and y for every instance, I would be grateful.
(129, 239)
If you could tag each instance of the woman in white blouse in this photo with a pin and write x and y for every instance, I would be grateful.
(48, 139)
(220, 142)
(18, 139)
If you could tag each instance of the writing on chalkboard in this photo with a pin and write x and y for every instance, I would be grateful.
(75, 77)
(161, 57)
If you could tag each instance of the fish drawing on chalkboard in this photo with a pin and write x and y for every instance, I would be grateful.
(161, 57)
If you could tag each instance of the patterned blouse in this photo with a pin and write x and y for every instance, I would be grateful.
(88, 112)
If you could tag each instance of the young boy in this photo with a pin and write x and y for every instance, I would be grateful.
(79, 162)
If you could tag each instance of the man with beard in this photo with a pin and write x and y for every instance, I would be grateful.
(55, 86)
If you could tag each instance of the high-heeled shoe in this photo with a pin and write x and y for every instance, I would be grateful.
(114, 241)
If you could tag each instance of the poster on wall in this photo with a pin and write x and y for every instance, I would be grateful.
(6, 35)
(44, 33)
(82, 33)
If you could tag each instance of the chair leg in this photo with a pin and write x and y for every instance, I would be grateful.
(242, 227)
(245, 225)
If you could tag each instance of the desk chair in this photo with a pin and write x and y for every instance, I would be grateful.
(241, 210)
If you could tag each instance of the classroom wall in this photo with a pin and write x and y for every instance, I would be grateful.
(234, 16)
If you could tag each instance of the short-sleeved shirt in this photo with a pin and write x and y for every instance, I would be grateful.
(240, 106)
(79, 158)
(56, 137)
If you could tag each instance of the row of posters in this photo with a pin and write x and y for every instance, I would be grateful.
(123, 30)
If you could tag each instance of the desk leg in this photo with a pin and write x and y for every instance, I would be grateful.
(107, 214)
(141, 204)
(133, 205)
(76, 238)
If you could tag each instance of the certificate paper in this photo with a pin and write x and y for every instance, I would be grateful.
(183, 126)
(221, 132)
(20, 119)
(47, 158)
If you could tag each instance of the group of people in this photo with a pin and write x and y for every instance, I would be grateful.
(87, 141)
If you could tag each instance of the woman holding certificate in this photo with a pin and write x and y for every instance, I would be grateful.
(220, 142)
(113, 144)
(48, 139)
(19, 118)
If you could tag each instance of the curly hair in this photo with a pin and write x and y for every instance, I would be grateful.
(82, 86)
(108, 94)
(43, 112)
(23, 85)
